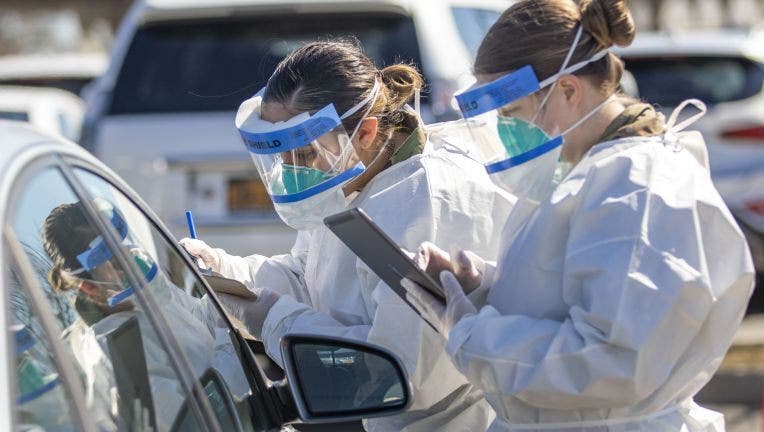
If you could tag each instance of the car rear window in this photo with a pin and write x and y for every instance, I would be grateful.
(213, 65)
(667, 81)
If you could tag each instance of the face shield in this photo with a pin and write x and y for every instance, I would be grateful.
(303, 161)
(519, 155)
(98, 254)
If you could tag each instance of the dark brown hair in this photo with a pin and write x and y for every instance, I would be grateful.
(338, 72)
(66, 233)
(540, 32)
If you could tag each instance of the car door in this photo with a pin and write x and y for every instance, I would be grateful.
(230, 350)
(159, 356)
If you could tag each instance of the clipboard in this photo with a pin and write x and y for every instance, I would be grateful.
(222, 284)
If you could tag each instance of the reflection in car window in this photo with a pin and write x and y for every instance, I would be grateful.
(214, 64)
(127, 378)
(473, 24)
(196, 322)
(41, 402)
(336, 379)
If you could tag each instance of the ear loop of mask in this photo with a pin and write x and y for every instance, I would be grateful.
(370, 99)
(417, 102)
(565, 70)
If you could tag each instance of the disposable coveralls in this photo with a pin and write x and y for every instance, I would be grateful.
(437, 196)
(193, 318)
(616, 300)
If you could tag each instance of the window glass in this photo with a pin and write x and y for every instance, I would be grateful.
(14, 115)
(668, 81)
(196, 322)
(213, 65)
(472, 25)
(41, 402)
(126, 374)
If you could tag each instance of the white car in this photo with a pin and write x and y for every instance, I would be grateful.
(65, 71)
(724, 69)
(162, 115)
(161, 357)
(51, 110)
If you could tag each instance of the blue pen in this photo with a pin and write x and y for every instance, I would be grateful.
(192, 231)
(191, 227)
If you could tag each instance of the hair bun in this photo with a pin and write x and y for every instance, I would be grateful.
(609, 22)
(401, 81)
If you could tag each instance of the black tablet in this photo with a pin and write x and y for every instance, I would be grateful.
(379, 252)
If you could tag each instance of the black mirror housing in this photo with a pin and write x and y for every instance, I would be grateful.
(335, 380)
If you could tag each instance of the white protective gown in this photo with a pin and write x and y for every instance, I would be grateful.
(193, 319)
(437, 196)
(616, 301)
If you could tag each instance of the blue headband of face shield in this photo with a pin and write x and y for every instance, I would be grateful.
(522, 140)
(279, 141)
(287, 182)
(98, 252)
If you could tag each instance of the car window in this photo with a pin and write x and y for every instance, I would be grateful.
(126, 374)
(667, 81)
(14, 115)
(196, 322)
(41, 402)
(213, 65)
(472, 25)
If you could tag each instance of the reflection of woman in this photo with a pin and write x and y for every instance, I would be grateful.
(382, 161)
(615, 301)
(82, 264)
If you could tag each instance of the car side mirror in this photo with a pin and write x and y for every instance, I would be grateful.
(335, 380)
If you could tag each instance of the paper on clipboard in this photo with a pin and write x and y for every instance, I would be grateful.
(224, 285)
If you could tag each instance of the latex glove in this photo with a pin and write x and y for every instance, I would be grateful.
(465, 265)
(249, 313)
(210, 258)
(442, 316)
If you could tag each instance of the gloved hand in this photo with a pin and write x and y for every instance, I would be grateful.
(248, 313)
(209, 256)
(465, 265)
(442, 316)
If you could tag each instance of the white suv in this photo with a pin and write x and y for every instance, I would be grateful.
(162, 115)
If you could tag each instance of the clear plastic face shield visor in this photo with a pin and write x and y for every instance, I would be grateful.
(98, 254)
(303, 156)
(503, 143)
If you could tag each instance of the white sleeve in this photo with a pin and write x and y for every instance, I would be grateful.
(636, 302)
(289, 316)
(281, 273)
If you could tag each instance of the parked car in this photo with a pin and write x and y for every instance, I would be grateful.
(724, 69)
(51, 110)
(162, 115)
(144, 362)
(64, 71)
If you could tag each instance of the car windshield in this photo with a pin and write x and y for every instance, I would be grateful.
(667, 81)
(213, 65)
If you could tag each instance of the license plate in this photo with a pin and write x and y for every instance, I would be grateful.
(248, 194)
